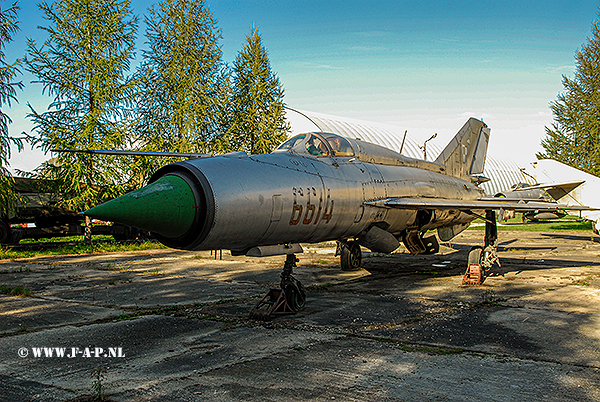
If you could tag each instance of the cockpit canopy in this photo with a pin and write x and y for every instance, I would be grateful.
(333, 145)
(319, 144)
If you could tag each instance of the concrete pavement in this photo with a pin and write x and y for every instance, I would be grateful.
(173, 326)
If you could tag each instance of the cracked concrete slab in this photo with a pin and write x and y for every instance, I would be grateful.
(352, 369)
(22, 314)
(403, 328)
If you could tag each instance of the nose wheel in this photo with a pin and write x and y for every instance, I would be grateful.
(293, 289)
(289, 299)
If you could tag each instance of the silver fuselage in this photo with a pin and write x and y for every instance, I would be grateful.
(288, 197)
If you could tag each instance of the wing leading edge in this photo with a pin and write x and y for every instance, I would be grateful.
(190, 155)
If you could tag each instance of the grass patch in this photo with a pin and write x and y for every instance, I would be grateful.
(168, 310)
(64, 239)
(16, 291)
(99, 245)
(585, 282)
(225, 301)
(566, 224)
(326, 263)
(323, 286)
(490, 298)
(430, 350)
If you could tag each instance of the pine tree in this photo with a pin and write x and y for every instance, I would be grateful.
(258, 122)
(8, 197)
(574, 138)
(183, 84)
(83, 64)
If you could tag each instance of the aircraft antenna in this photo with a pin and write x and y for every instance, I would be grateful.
(424, 147)
(524, 173)
(404, 138)
(302, 114)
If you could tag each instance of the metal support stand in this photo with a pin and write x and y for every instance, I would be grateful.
(491, 228)
(287, 300)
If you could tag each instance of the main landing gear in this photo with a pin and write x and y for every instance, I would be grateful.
(481, 259)
(289, 299)
(350, 255)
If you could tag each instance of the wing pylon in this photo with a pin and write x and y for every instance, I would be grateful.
(484, 203)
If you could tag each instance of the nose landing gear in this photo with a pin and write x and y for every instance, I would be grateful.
(289, 299)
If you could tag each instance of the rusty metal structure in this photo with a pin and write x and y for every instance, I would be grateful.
(40, 214)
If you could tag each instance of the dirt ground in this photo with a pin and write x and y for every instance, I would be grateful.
(167, 325)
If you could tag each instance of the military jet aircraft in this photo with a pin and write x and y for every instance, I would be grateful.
(551, 192)
(319, 187)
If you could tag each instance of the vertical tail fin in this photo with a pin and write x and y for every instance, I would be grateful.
(465, 153)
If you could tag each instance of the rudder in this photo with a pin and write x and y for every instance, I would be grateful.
(465, 153)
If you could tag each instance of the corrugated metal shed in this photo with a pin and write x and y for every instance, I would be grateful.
(503, 173)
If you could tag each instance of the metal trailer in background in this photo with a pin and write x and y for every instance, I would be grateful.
(40, 215)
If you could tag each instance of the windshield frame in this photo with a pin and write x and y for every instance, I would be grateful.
(319, 144)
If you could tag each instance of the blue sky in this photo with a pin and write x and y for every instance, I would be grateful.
(425, 66)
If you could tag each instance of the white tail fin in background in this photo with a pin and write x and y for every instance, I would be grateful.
(465, 154)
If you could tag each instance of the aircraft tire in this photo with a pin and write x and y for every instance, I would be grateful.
(475, 255)
(351, 256)
(295, 295)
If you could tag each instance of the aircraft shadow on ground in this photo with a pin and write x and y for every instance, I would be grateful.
(424, 264)
(502, 246)
(460, 328)
(569, 236)
(479, 323)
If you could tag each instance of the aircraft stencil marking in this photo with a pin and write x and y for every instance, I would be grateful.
(312, 212)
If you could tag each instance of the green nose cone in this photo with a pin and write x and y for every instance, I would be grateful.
(166, 207)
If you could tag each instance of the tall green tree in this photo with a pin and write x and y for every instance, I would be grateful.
(84, 65)
(258, 122)
(8, 72)
(574, 137)
(183, 86)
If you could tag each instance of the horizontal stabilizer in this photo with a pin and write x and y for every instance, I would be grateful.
(555, 190)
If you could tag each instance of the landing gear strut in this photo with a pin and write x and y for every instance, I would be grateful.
(289, 299)
(481, 259)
